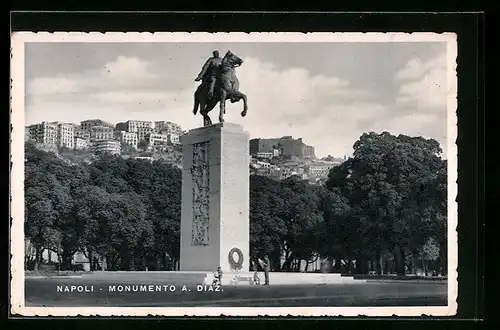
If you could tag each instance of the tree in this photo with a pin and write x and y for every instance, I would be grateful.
(164, 208)
(143, 145)
(138, 176)
(338, 238)
(429, 254)
(127, 149)
(46, 207)
(48, 183)
(383, 184)
(303, 219)
(131, 231)
(92, 221)
(110, 173)
(267, 229)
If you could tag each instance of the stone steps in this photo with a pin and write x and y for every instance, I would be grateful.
(241, 278)
(283, 278)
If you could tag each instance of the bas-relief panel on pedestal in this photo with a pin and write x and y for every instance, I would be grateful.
(200, 172)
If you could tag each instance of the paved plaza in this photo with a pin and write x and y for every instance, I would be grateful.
(43, 292)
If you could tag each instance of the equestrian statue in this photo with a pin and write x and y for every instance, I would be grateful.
(219, 83)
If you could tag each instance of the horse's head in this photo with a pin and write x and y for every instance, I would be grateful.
(232, 59)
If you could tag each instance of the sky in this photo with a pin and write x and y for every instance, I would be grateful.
(327, 93)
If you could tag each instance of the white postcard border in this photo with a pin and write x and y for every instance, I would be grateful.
(18, 39)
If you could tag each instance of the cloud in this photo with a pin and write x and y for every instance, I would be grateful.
(423, 84)
(122, 73)
(54, 85)
(126, 68)
(416, 68)
(328, 112)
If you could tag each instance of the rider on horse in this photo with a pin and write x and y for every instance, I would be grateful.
(211, 70)
(219, 83)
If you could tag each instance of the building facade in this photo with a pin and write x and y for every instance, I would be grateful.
(106, 147)
(157, 139)
(79, 132)
(129, 138)
(80, 143)
(101, 133)
(320, 170)
(44, 133)
(65, 135)
(281, 173)
(287, 146)
(88, 124)
(265, 154)
(167, 127)
(133, 126)
(143, 133)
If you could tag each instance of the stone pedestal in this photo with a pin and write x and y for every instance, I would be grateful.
(215, 198)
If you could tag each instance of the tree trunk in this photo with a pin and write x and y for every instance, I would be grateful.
(337, 265)
(276, 261)
(386, 266)
(360, 265)
(66, 259)
(129, 261)
(399, 260)
(38, 257)
(443, 261)
(164, 261)
(90, 257)
(158, 263)
(424, 270)
(349, 266)
(144, 264)
(287, 265)
(108, 262)
(378, 263)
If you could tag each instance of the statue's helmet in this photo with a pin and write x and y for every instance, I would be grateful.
(216, 53)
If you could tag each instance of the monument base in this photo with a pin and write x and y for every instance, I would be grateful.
(215, 228)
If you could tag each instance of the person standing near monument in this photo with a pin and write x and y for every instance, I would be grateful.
(267, 268)
(211, 69)
(255, 269)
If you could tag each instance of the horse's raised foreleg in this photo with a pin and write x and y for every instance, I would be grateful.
(239, 95)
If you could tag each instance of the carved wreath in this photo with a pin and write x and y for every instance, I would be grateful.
(233, 263)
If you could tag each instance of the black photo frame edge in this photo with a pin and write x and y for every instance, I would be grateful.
(471, 111)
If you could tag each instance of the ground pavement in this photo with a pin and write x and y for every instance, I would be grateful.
(44, 292)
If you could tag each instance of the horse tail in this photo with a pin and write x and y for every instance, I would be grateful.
(196, 103)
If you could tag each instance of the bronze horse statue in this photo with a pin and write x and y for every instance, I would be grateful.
(226, 87)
